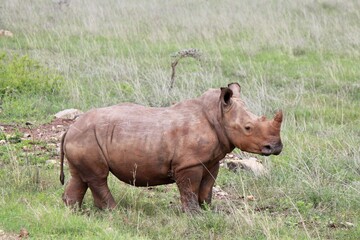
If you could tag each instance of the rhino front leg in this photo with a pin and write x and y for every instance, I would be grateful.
(207, 183)
(188, 182)
(103, 198)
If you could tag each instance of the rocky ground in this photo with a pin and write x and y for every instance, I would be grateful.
(23, 234)
(50, 132)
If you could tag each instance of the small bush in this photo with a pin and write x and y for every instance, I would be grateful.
(22, 75)
(27, 89)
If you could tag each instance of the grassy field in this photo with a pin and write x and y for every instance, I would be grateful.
(300, 56)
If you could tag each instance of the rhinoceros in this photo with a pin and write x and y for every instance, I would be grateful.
(148, 146)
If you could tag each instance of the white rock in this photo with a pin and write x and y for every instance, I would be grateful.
(347, 224)
(71, 113)
(26, 135)
(219, 193)
(251, 164)
(6, 33)
(250, 198)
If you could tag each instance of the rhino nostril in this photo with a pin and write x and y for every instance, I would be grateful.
(268, 147)
(266, 150)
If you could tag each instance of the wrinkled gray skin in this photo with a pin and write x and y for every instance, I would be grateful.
(146, 146)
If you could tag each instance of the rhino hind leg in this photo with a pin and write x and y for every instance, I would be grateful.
(74, 192)
(103, 198)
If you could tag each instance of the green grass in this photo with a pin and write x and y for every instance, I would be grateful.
(300, 56)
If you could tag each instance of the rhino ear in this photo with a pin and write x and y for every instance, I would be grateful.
(236, 88)
(225, 97)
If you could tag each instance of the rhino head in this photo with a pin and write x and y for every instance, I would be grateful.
(244, 129)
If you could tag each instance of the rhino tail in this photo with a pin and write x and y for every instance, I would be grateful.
(62, 155)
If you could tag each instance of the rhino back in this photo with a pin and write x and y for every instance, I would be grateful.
(150, 132)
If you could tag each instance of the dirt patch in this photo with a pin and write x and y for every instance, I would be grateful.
(39, 143)
(49, 132)
(8, 236)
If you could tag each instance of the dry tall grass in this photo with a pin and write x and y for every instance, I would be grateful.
(98, 44)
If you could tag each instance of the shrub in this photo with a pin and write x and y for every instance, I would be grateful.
(22, 75)
(27, 89)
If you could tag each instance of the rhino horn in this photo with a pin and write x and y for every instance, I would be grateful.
(278, 119)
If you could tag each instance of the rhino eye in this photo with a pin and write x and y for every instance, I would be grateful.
(248, 128)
